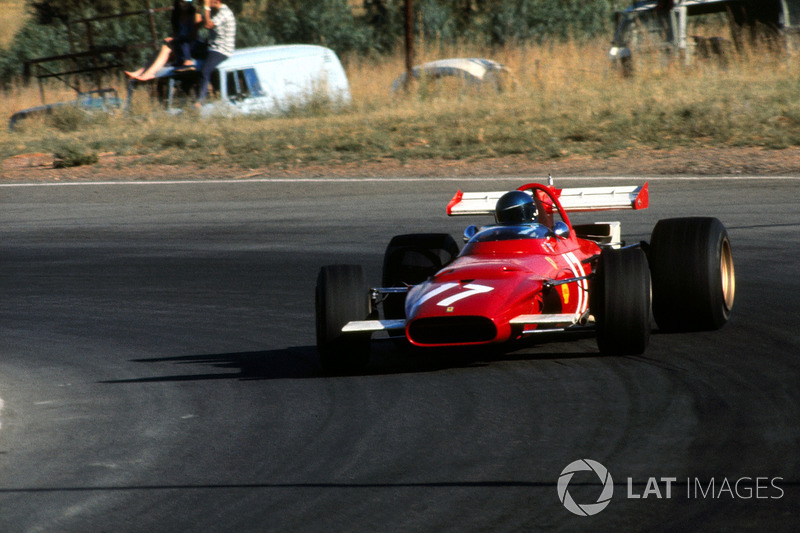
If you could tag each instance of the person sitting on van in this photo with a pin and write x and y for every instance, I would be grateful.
(218, 19)
(184, 31)
(177, 47)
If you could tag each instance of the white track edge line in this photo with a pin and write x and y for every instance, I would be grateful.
(398, 180)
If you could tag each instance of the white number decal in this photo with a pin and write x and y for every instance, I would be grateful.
(471, 290)
(437, 291)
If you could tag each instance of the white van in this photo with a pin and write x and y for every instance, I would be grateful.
(265, 80)
(273, 79)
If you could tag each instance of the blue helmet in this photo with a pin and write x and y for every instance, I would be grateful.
(515, 207)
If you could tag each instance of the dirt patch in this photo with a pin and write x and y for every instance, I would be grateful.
(693, 162)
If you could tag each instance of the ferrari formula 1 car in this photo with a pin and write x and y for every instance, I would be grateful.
(529, 273)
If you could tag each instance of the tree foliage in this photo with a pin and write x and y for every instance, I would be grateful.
(378, 27)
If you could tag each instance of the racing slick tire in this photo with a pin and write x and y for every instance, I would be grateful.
(342, 295)
(620, 302)
(411, 259)
(693, 277)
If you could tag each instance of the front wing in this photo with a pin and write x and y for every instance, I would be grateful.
(543, 323)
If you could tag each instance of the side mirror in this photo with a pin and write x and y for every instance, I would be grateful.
(561, 229)
(470, 232)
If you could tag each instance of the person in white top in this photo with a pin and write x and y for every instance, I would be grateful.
(218, 19)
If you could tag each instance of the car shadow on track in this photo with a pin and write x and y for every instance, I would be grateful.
(301, 362)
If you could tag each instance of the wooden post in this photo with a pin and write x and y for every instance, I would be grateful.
(151, 20)
(76, 78)
(409, 27)
(90, 39)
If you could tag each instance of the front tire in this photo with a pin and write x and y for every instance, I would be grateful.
(342, 295)
(411, 259)
(620, 302)
(693, 277)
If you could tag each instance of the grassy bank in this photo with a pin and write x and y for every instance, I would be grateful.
(567, 102)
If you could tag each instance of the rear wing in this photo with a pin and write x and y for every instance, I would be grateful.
(582, 199)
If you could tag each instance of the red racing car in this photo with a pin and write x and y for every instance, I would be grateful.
(529, 273)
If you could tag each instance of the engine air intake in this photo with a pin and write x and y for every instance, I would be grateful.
(452, 330)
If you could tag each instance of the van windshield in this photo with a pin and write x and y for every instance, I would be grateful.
(243, 83)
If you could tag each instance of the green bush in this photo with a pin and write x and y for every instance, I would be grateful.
(71, 154)
(327, 22)
(67, 118)
(32, 41)
(496, 22)
(537, 21)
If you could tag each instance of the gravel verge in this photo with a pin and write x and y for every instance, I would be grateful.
(747, 161)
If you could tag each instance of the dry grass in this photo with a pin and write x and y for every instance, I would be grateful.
(12, 16)
(568, 101)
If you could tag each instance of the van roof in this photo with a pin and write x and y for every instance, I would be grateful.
(263, 54)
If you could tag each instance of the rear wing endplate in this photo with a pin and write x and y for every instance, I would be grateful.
(576, 199)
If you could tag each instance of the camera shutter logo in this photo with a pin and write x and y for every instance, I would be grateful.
(586, 509)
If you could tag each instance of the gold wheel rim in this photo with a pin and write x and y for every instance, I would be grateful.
(728, 276)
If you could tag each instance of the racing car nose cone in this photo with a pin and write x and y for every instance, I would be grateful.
(465, 297)
(457, 310)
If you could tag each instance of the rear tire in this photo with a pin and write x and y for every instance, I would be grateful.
(342, 295)
(620, 302)
(693, 277)
(411, 259)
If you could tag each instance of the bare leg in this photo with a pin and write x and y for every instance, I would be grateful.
(160, 61)
(135, 73)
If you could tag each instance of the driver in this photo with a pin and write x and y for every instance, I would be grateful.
(515, 207)
(515, 214)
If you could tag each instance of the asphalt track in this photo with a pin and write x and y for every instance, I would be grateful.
(157, 372)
